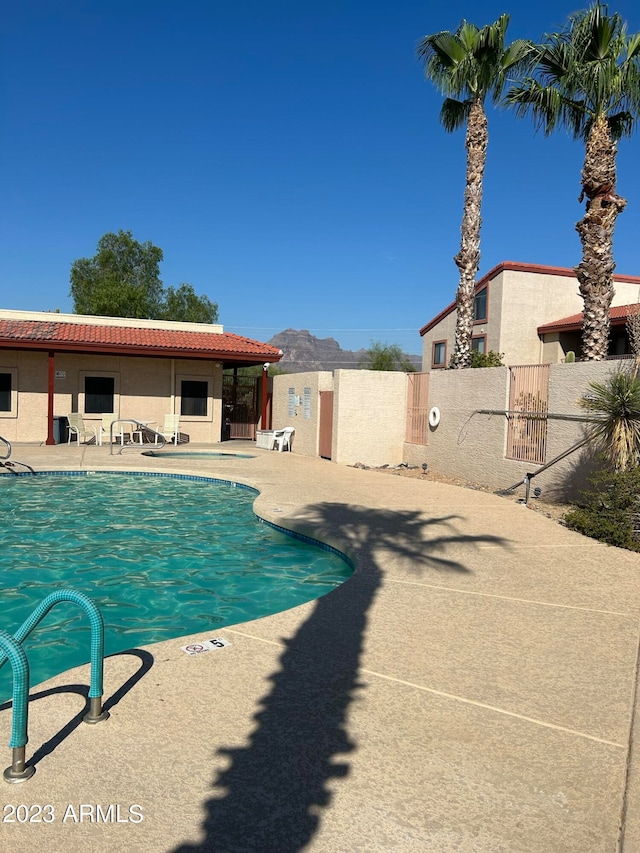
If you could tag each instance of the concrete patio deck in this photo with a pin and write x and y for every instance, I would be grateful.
(471, 688)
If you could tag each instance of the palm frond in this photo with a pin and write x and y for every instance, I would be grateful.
(454, 114)
(595, 68)
(544, 103)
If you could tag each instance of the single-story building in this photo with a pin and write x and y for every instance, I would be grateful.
(55, 364)
(516, 309)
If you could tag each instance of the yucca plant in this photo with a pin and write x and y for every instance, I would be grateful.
(615, 427)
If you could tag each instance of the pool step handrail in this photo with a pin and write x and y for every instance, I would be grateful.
(5, 457)
(11, 649)
(142, 428)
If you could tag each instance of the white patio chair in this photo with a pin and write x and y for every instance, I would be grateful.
(118, 431)
(282, 438)
(81, 431)
(171, 428)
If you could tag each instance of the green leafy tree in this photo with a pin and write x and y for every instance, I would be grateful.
(587, 79)
(123, 280)
(468, 66)
(185, 305)
(387, 357)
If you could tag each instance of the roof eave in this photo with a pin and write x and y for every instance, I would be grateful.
(80, 347)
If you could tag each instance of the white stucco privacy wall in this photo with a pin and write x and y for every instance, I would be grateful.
(305, 422)
(368, 413)
(369, 410)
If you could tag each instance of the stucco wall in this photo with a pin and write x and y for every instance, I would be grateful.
(305, 438)
(472, 446)
(368, 414)
(143, 390)
(369, 410)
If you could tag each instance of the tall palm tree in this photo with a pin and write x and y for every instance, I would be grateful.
(467, 66)
(587, 79)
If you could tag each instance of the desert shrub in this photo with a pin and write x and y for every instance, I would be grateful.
(614, 428)
(610, 510)
(487, 359)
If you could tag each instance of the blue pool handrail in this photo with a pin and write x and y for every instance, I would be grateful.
(20, 665)
(13, 651)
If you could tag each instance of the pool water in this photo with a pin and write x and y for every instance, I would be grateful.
(161, 555)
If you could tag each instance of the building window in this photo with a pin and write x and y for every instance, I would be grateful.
(306, 403)
(480, 306)
(291, 403)
(479, 344)
(439, 358)
(5, 392)
(193, 398)
(99, 393)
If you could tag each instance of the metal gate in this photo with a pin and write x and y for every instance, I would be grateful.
(239, 405)
(527, 416)
(325, 438)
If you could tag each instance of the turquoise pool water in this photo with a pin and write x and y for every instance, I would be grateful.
(161, 555)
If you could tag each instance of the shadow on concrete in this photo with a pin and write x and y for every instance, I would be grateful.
(578, 469)
(271, 796)
(146, 662)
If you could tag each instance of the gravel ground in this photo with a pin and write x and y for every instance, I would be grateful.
(555, 511)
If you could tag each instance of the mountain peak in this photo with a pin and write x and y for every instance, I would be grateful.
(305, 352)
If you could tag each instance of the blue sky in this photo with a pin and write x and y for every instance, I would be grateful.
(287, 157)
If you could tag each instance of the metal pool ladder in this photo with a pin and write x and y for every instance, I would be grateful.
(11, 649)
(4, 458)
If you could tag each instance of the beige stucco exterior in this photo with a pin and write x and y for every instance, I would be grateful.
(145, 389)
(519, 300)
(305, 422)
(368, 417)
(368, 414)
(146, 386)
(472, 446)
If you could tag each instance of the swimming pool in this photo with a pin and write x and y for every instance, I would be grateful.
(162, 555)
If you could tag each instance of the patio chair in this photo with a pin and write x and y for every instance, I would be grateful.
(78, 428)
(118, 432)
(171, 428)
(282, 438)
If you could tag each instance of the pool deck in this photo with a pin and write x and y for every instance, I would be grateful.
(471, 688)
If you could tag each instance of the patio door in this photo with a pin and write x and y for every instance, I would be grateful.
(325, 438)
(239, 405)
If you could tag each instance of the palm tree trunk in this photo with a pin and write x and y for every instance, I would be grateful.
(595, 271)
(468, 258)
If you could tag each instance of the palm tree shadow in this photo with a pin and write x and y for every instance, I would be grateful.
(273, 792)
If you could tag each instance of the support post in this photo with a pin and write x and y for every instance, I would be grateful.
(50, 387)
(265, 395)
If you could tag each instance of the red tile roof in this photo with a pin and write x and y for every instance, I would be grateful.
(516, 266)
(618, 315)
(129, 340)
